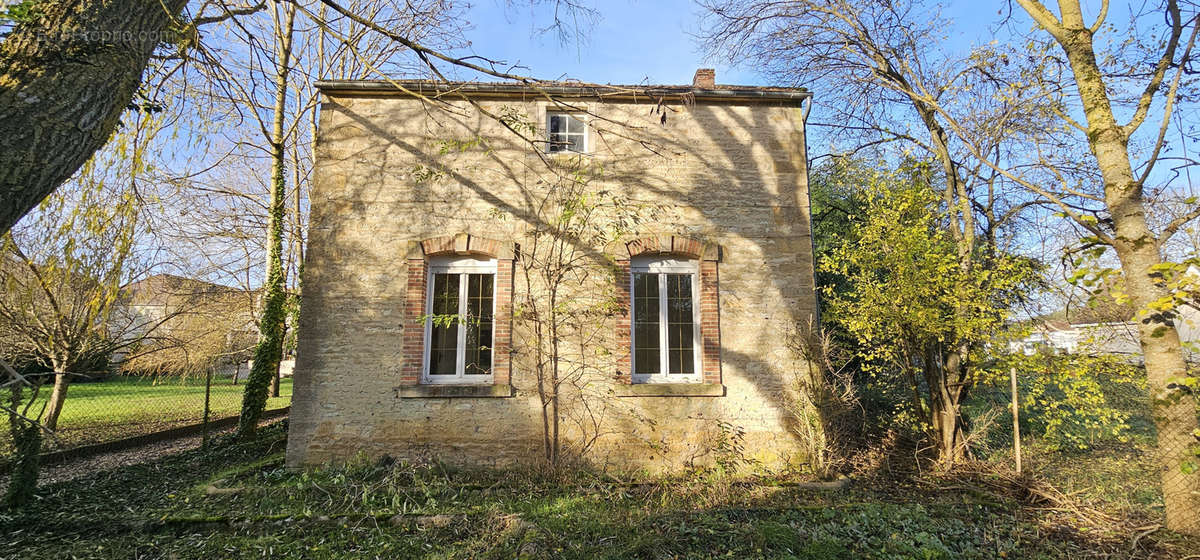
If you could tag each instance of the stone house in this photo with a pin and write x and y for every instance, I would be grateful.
(177, 317)
(655, 238)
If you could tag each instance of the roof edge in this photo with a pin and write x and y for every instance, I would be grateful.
(482, 89)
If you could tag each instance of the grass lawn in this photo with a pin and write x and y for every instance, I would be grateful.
(237, 501)
(120, 407)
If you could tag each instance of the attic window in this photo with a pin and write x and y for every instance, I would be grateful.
(566, 132)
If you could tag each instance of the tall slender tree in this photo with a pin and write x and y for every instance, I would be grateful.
(1125, 226)
(269, 351)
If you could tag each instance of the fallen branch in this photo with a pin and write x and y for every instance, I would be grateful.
(1144, 531)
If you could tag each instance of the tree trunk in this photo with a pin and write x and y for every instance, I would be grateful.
(1174, 411)
(945, 407)
(270, 346)
(275, 378)
(27, 446)
(550, 401)
(65, 79)
(57, 397)
(947, 387)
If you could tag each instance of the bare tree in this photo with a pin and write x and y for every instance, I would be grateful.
(563, 312)
(1115, 211)
(1032, 100)
(888, 84)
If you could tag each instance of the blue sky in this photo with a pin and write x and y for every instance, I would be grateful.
(638, 42)
(633, 42)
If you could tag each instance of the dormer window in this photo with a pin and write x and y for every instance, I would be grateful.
(566, 132)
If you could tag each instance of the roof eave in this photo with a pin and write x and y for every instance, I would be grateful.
(474, 89)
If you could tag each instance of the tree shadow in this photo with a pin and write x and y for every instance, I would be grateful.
(748, 195)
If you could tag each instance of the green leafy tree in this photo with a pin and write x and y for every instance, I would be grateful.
(899, 296)
(1073, 401)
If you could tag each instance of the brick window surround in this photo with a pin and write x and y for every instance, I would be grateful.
(707, 256)
(414, 332)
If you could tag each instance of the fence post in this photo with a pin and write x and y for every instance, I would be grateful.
(1016, 415)
(207, 394)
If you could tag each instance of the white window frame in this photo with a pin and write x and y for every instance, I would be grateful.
(663, 266)
(461, 266)
(587, 135)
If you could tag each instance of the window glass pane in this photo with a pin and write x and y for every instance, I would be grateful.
(679, 298)
(645, 323)
(479, 325)
(565, 133)
(680, 326)
(443, 340)
(576, 142)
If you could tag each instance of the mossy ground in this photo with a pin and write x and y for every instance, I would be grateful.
(237, 501)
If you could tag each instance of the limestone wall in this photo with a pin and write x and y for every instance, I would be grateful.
(393, 171)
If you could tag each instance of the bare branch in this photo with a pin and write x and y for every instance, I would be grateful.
(1044, 17)
(1175, 19)
(1171, 95)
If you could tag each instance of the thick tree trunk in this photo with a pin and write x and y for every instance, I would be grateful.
(65, 79)
(57, 397)
(1174, 411)
(946, 394)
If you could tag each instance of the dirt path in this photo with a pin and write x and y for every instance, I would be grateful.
(75, 468)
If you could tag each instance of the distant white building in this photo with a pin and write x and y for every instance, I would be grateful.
(1189, 319)
(1117, 338)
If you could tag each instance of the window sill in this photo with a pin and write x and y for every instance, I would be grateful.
(671, 390)
(453, 391)
(556, 156)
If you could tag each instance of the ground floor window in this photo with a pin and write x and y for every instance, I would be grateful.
(665, 321)
(459, 320)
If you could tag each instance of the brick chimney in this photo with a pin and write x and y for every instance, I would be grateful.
(705, 78)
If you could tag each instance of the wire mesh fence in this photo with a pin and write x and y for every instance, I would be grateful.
(1091, 431)
(117, 407)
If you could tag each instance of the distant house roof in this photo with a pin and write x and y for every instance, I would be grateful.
(158, 289)
(533, 90)
(1056, 325)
